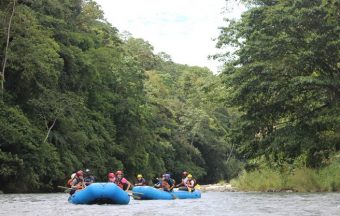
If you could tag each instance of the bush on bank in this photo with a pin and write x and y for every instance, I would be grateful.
(303, 179)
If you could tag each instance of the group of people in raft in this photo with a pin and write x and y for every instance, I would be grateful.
(81, 179)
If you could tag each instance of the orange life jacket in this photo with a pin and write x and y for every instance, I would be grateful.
(165, 184)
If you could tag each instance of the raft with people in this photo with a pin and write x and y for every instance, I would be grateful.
(100, 193)
(151, 193)
(164, 189)
(84, 190)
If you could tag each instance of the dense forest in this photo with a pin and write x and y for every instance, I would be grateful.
(283, 78)
(76, 93)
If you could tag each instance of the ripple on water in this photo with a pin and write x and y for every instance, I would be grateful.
(212, 203)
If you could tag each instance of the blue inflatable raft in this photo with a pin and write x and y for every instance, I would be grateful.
(100, 193)
(150, 193)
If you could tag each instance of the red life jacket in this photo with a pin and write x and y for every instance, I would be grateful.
(69, 182)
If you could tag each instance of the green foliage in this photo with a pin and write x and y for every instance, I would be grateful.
(305, 180)
(78, 96)
(260, 180)
(24, 156)
(301, 179)
(283, 78)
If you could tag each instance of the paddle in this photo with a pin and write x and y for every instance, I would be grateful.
(173, 196)
(132, 193)
(135, 196)
(66, 189)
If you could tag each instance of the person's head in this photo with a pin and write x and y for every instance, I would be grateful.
(80, 174)
(87, 172)
(166, 176)
(189, 176)
(73, 175)
(139, 176)
(184, 174)
(111, 176)
(119, 174)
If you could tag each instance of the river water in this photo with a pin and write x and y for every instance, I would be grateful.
(211, 203)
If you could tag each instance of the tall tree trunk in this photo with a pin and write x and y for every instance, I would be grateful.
(6, 50)
(49, 129)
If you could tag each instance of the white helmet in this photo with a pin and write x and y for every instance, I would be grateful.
(73, 175)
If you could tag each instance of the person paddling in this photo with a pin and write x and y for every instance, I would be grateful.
(190, 183)
(69, 182)
(140, 181)
(78, 182)
(182, 185)
(167, 183)
(122, 182)
(88, 177)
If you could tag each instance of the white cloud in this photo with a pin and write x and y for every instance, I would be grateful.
(182, 28)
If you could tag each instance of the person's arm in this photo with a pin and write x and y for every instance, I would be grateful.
(129, 185)
(83, 183)
(180, 184)
(173, 185)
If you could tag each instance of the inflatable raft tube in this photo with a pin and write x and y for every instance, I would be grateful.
(100, 193)
(150, 193)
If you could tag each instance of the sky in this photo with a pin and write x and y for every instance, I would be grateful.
(184, 29)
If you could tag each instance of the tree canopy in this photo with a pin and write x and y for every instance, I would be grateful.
(78, 95)
(283, 78)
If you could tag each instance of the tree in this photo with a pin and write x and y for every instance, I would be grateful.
(4, 62)
(284, 80)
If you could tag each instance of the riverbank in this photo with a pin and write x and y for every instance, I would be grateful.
(227, 187)
(219, 187)
(326, 179)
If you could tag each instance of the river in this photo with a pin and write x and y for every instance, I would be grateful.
(211, 203)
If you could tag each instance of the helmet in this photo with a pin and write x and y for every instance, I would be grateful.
(139, 176)
(166, 176)
(73, 175)
(119, 172)
(185, 173)
(189, 176)
(79, 173)
(87, 170)
(111, 175)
